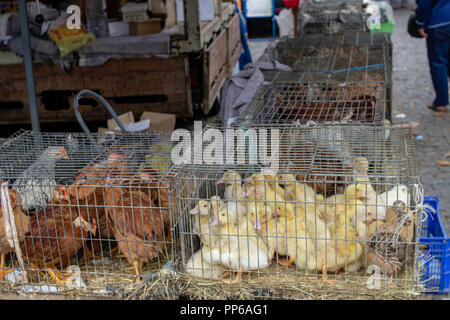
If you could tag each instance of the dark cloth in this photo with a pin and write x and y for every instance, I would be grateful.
(433, 13)
(438, 44)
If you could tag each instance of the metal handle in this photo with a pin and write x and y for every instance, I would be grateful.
(107, 106)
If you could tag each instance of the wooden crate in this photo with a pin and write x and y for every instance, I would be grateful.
(215, 70)
(137, 84)
(234, 44)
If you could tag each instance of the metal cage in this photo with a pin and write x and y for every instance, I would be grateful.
(343, 202)
(332, 17)
(294, 97)
(353, 56)
(85, 211)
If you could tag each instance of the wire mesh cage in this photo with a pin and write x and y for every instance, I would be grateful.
(353, 56)
(341, 204)
(293, 97)
(330, 17)
(360, 63)
(348, 39)
(83, 212)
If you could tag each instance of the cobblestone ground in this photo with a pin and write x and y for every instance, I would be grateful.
(413, 90)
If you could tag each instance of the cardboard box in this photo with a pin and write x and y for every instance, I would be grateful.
(150, 121)
(125, 118)
(151, 26)
(160, 121)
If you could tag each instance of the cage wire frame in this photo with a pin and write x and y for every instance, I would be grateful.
(335, 17)
(374, 62)
(101, 249)
(348, 39)
(295, 97)
(354, 56)
(392, 161)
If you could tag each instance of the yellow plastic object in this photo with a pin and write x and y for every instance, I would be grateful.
(70, 40)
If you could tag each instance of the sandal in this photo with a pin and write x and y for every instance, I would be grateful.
(436, 109)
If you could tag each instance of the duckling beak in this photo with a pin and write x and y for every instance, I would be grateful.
(257, 224)
(194, 211)
(245, 194)
(214, 220)
(364, 196)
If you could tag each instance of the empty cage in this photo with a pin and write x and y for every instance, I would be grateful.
(85, 212)
(342, 203)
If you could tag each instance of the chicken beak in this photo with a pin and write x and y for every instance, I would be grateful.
(221, 181)
(64, 154)
(65, 194)
(94, 228)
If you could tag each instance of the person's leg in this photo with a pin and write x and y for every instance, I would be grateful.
(438, 55)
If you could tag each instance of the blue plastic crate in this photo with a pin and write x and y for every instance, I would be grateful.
(437, 270)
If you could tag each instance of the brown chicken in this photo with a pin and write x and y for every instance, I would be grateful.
(327, 175)
(87, 192)
(88, 205)
(22, 226)
(138, 225)
(55, 236)
(159, 193)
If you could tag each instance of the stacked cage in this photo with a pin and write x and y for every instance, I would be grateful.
(352, 57)
(81, 212)
(292, 205)
(331, 17)
(293, 97)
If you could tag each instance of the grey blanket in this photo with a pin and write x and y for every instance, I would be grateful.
(239, 90)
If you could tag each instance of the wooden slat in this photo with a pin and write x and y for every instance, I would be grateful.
(215, 70)
(234, 44)
(167, 78)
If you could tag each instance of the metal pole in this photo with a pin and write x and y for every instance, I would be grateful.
(24, 32)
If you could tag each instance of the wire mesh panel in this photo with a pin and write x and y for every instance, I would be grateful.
(83, 212)
(331, 17)
(293, 97)
(342, 202)
(348, 39)
(362, 63)
(354, 56)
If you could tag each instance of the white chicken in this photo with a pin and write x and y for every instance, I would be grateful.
(35, 185)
